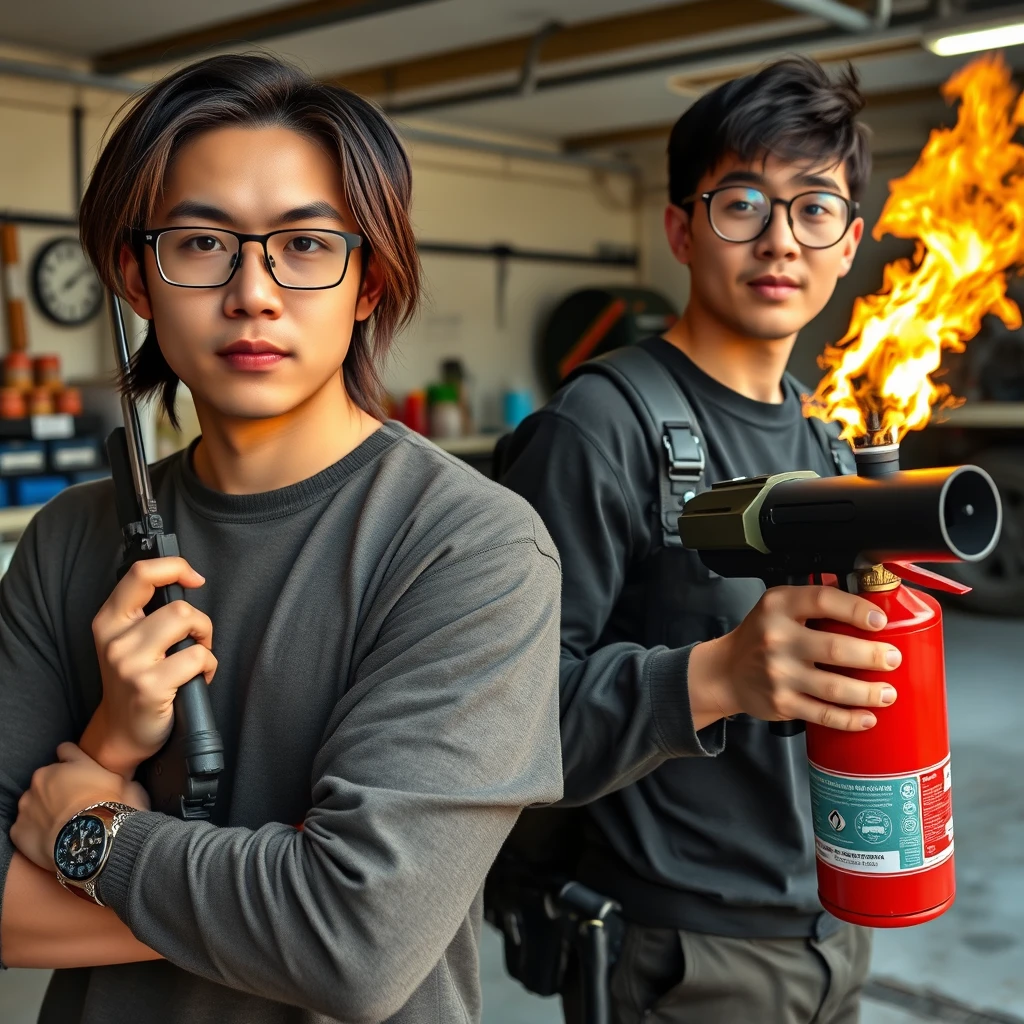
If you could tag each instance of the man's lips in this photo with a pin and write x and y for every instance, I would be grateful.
(768, 286)
(252, 355)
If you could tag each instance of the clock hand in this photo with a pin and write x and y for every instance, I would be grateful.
(74, 278)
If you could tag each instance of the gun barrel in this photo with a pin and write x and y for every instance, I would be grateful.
(132, 426)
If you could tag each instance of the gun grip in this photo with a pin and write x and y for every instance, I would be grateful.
(792, 728)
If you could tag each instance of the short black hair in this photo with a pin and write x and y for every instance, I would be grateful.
(790, 109)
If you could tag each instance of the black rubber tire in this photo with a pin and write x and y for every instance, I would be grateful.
(997, 581)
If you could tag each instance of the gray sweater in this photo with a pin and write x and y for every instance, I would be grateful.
(387, 636)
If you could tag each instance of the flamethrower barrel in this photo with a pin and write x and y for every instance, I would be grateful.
(781, 527)
(920, 514)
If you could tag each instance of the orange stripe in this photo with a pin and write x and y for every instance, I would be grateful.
(592, 337)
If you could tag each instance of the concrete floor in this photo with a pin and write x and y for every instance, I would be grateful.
(965, 967)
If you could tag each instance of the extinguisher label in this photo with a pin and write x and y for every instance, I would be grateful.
(883, 824)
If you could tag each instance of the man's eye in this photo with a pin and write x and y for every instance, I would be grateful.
(305, 244)
(203, 243)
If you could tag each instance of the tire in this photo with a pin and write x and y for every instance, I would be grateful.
(997, 581)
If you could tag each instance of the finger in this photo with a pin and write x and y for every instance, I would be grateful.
(843, 651)
(833, 688)
(147, 640)
(181, 668)
(832, 716)
(135, 590)
(803, 603)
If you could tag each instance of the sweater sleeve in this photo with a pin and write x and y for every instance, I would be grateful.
(35, 715)
(448, 730)
(625, 708)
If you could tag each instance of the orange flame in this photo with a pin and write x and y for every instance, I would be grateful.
(963, 201)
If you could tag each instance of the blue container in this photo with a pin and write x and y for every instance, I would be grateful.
(76, 454)
(36, 490)
(18, 458)
(515, 407)
(4, 495)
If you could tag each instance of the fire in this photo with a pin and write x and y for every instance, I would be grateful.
(963, 202)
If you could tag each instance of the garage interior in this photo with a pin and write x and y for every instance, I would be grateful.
(537, 133)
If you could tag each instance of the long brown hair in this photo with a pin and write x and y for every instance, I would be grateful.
(253, 90)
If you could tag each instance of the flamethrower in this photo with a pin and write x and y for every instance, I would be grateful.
(881, 801)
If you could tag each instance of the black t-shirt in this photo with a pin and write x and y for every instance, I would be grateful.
(719, 844)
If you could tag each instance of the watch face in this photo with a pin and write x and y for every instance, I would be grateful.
(80, 846)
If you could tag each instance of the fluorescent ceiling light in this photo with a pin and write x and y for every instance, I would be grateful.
(965, 38)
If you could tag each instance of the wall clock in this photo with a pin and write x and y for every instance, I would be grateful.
(64, 284)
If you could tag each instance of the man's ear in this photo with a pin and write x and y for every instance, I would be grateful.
(370, 290)
(134, 283)
(677, 231)
(850, 244)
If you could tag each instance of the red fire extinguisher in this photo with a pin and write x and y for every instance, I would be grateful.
(882, 800)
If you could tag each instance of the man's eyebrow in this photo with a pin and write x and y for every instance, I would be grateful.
(741, 178)
(818, 181)
(191, 209)
(310, 211)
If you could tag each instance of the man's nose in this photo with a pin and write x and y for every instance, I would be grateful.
(777, 239)
(252, 290)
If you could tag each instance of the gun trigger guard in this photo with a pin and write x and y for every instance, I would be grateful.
(925, 577)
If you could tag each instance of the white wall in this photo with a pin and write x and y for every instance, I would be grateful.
(459, 196)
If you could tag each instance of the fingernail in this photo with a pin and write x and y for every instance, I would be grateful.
(876, 620)
(888, 694)
(893, 657)
(867, 721)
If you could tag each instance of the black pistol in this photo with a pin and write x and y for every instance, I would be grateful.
(181, 778)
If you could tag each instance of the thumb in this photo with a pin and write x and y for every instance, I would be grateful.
(68, 752)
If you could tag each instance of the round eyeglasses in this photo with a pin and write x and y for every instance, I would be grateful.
(201, 257)
(738, 213)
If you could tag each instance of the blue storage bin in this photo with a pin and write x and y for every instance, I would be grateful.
(36, 490)
(74, 455)
(19, 458)
(4, 496)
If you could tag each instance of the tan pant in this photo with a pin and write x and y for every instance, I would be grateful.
(669, 977)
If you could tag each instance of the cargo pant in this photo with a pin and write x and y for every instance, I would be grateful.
(673, 977)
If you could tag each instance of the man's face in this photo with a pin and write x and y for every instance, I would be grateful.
(773, 286)
(252, 180)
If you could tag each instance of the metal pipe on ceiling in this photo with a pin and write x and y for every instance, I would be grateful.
(843, 16)
(120, 83)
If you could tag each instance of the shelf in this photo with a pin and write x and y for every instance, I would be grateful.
(14, 520)
(982, 414)
(474, 444)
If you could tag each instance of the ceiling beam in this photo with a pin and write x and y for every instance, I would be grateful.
(266, 25)
(632, 136)
(587, 40)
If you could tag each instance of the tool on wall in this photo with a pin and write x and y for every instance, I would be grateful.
(502, 254)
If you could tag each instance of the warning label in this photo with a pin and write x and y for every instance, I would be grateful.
(883, 824)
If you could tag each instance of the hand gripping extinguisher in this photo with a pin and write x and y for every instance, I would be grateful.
(881, 800)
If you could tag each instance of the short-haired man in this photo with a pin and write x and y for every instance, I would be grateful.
(712, 857)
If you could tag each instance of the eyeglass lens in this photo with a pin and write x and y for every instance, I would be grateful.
(205, 257)
(740, 214)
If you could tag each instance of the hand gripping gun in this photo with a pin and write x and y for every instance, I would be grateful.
(181, 778)
(881, 800)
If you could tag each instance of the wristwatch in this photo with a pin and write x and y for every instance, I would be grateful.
(83, 847)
